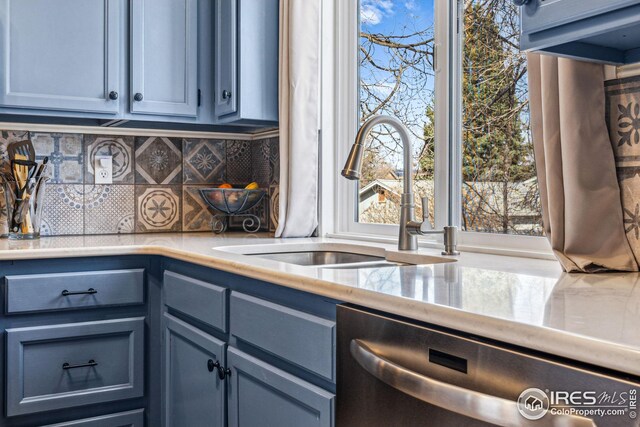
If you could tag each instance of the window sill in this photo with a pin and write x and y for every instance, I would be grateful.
(468, 247)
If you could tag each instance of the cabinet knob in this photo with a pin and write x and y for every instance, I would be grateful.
(521, 2)
(222, 371)
(226, 94)
(113, 95)
(138, 97)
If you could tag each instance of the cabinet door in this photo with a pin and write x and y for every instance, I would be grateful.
(540, 15)
(261, 395)
(60, 55)
(193, 392)
(226, 57)
(164, 57)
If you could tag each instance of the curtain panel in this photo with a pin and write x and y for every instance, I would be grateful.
(579, 191)
(299, 101)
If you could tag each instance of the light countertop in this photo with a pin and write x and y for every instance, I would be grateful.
(531, 303)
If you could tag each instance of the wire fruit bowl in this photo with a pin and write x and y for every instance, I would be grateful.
(233, 202)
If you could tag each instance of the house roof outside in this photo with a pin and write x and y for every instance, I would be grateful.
(483, 204)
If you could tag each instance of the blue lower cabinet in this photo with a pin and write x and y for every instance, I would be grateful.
(194, 362)
(261, 395)
(121, 419)
(301, 338)
(30, 293)
(63, 366)
(200, 300)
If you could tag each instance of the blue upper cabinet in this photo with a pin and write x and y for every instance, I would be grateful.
(226, 57)
(192, 62)
(246, 61)
(164, 57)
(60, 55)
(605, 31)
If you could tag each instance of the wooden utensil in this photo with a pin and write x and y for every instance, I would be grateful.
(23, 148)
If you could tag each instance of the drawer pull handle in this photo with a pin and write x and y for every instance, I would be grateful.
(89, 291)
(91, 363)
(222, 371)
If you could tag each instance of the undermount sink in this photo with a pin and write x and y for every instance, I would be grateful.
(335, 255)
(328, 259)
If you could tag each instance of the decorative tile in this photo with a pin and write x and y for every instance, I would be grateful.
(65, 153)
(158, 208)
(109, 209)
(203, 161)
(196, 215)
(260, 156)
(274, 161)
(6, 138)
(158, 160)
(118, 147)
(239, 162)
(4, 227)
(157, 166)
(63, 210)
(274, 207)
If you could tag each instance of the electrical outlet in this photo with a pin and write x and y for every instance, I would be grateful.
(103, 168)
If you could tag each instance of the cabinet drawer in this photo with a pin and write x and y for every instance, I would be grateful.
(121, 419)
(195, 298)
(300, 338)
(61, 366)
(262, 395)
(64, 291)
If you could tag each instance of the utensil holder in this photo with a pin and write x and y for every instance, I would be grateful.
(24, 207)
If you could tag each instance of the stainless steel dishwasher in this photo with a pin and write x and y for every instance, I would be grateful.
(392, 372)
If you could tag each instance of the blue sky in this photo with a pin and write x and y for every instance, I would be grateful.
(385, 16)
(398, 17)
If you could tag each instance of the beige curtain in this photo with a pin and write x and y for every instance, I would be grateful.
(579, 192)
(299, 116)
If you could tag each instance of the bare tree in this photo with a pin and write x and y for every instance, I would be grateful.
(396, 77)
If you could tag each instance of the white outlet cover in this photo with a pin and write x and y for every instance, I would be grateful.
(103, 168)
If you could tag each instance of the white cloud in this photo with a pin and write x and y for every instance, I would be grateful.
(373, 11)
(410, 5)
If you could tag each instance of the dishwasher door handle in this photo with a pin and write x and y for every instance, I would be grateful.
(473, 404)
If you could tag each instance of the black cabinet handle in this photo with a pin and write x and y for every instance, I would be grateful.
(89, 291)
(138, 97)
(222, 371)
(521, 2)
(91, 363)
(226, 94)
(113, 95)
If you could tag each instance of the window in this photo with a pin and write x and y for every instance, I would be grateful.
(396, 78)
(451, 70)
(499, 185)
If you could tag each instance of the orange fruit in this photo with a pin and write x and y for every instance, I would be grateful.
(225, 185)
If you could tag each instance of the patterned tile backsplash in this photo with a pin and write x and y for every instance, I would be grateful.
(155, 181)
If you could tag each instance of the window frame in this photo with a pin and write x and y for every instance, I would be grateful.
(340, 117)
